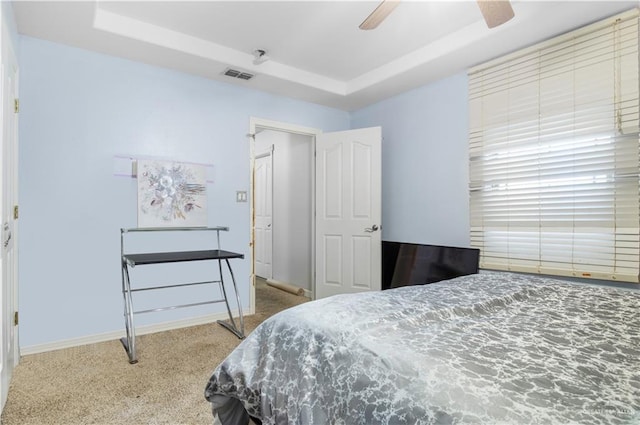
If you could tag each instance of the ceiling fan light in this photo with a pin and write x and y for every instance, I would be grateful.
(495, 12)
(379, 14)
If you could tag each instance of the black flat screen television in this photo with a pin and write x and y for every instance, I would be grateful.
(405, 264)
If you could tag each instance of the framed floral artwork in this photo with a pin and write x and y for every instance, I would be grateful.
(171, 194)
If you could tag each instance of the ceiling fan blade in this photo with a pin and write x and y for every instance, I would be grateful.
(379, 14)
(495, 12)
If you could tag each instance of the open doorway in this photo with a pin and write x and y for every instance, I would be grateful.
(283, 205)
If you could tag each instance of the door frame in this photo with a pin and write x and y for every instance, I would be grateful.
(256, 124)
(10, 288)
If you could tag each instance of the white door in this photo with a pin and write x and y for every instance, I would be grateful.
(264, 215)
(348, 211)
(9, 186)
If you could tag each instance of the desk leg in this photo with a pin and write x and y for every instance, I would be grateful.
(232, 325)
(129, 342)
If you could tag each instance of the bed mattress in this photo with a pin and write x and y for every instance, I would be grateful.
(486, 348)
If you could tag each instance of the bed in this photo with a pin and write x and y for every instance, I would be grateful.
(487, 348)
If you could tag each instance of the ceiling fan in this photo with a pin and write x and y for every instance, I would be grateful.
(495, 12)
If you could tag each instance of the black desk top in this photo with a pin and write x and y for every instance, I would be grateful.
(175, 257)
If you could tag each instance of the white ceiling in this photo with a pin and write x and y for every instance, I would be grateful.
(316, 51)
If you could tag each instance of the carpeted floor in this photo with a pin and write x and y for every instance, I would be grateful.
(94, 384)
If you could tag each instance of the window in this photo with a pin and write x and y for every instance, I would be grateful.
(554, 155)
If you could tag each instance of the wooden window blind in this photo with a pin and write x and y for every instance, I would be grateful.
(554, 155)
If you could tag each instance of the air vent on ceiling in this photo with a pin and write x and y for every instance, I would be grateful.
(229, 72)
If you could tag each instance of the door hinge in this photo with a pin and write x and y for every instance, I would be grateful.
(16, 213)
(15, 318)
(16, 105)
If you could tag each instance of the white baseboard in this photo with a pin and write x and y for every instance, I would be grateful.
(308, 293)
(140, 330)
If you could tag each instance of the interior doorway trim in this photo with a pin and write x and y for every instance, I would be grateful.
(255, 125)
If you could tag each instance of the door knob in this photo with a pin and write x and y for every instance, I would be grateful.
(372, 229)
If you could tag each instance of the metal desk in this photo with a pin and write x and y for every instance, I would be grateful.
(132, 260)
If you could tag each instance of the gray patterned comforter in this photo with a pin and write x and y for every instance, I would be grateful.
(487, 348)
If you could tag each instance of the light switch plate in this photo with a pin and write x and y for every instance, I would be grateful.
(241, 196)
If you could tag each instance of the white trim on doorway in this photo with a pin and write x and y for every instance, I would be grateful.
(10, 350)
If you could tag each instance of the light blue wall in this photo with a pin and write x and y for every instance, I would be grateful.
(424, 162)
(78, 110)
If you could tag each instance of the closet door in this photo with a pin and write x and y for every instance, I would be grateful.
(264, 215)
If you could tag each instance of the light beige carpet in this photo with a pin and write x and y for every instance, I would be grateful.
(95, 384)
